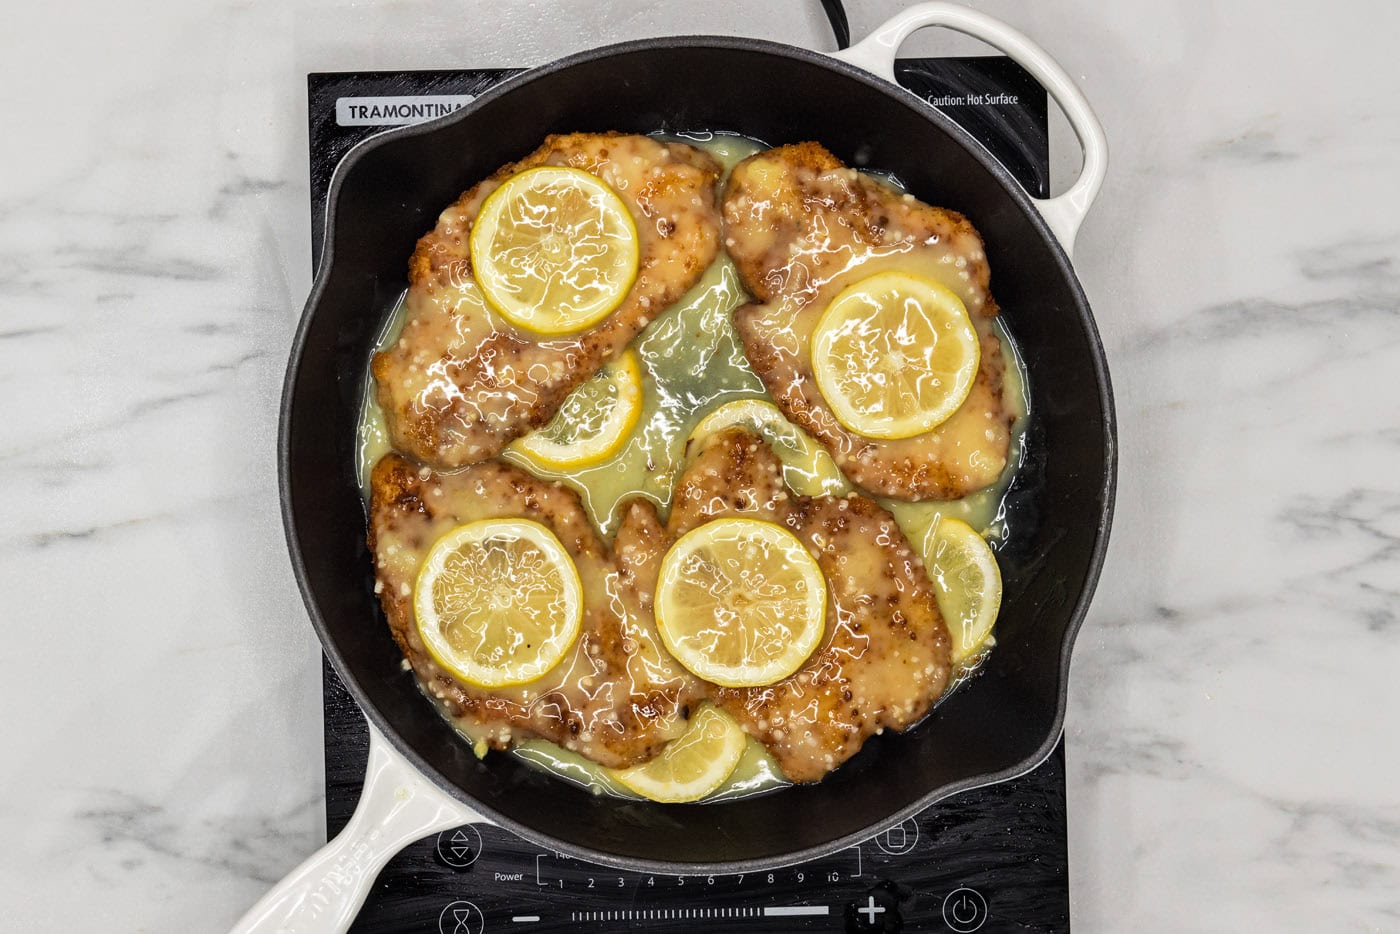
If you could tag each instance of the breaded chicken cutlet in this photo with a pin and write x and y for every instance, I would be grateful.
(461, 382)
(801, 226)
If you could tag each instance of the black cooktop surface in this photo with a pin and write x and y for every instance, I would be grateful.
(993, 859)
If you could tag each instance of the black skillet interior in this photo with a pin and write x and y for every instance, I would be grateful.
(1005, 721)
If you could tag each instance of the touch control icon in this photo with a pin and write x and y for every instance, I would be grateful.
(459, 847)
(899, 839)
(964, 910)
(461, 918)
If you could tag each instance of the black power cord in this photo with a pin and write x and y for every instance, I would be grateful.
(836, 13)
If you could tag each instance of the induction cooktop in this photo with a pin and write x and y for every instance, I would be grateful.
(992, 859)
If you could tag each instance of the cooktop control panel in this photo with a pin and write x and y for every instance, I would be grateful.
(988, 860)
(992, 859)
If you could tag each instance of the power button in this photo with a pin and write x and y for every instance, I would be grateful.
(964, 910)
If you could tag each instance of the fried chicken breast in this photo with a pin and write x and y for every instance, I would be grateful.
(461, 382)
(617, 697)
(884, 659)
(801, 226)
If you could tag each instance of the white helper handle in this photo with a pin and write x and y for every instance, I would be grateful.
(397, 806)
(1064, 214)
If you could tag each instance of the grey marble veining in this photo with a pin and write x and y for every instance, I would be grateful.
(1232, 732)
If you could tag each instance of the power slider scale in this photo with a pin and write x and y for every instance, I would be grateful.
(992, 859)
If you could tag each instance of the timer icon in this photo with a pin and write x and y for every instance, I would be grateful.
(461, 918)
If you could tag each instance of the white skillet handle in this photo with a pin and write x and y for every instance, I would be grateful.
(323, 894)
(1064, 214)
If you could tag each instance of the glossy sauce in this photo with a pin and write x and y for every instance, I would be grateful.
(693, 362)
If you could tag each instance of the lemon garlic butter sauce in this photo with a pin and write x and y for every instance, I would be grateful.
(692, 364)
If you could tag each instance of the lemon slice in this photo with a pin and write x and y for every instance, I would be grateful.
(594, 422)
(498, 602)
(740, 602)
(693, 765)
(895, 355)
(807, 468)
(554, 249)
(967, 584)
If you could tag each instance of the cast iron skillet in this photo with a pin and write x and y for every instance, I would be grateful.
(423, 777)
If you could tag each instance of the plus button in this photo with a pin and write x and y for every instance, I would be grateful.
(870, 910)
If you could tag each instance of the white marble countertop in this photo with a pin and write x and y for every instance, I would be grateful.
(1233, 744)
